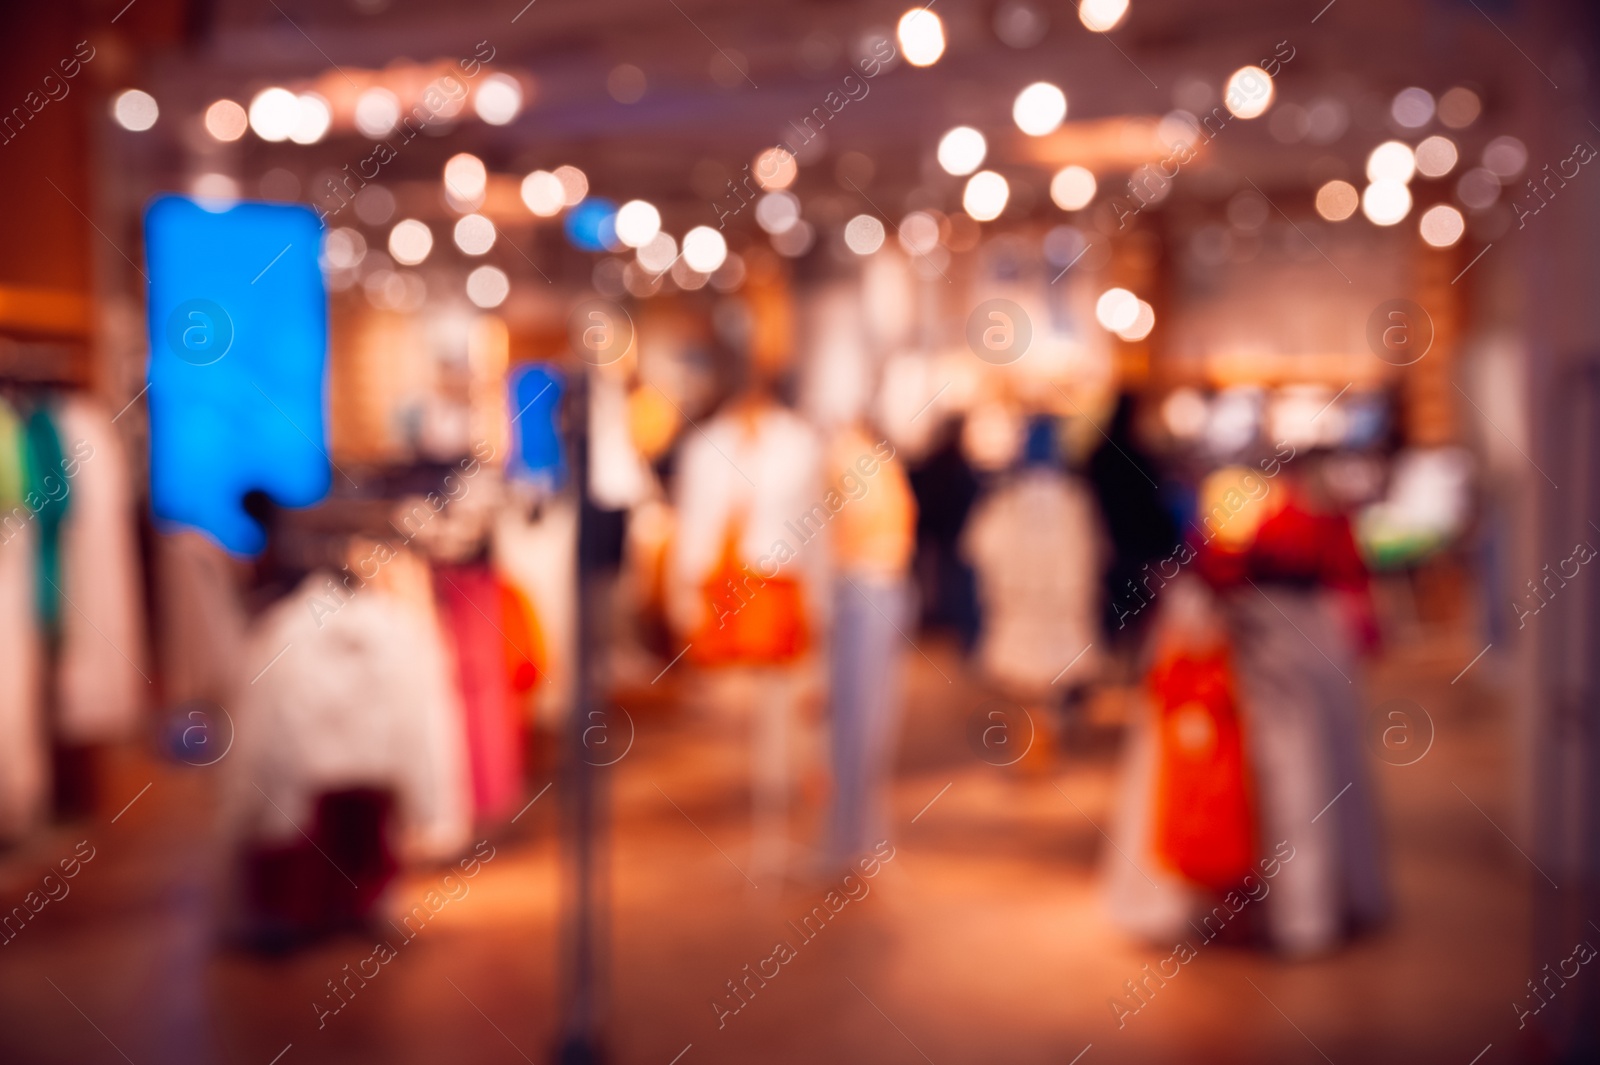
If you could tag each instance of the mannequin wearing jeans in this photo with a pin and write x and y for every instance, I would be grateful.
(872, 538)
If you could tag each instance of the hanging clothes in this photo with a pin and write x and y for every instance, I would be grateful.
(525, 652)
(13, 459)
(474, 608)
(201, 617)
(619, 477)
(536, 556)
(404, 575)
(339, 694)
(101, 676)
(24, 761)
(46, 493)
(332, 878)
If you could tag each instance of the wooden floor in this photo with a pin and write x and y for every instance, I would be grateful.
(983, 940)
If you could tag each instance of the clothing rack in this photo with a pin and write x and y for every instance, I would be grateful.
(41, 362)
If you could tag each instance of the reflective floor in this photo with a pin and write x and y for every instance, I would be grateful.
(982, 939)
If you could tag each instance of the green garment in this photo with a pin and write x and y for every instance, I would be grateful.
(46, 492)
(11, 459)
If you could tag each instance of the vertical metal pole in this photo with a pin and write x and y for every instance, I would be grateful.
(583, 901)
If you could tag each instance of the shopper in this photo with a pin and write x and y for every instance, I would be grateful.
(1140, 529)
(946, 489)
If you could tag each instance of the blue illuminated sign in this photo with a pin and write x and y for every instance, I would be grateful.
(238, 322)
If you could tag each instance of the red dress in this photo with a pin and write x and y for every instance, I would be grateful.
(495, 654)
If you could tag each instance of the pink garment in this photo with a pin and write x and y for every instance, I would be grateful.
(470, 613)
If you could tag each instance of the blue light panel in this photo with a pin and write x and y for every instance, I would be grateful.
(238, 321)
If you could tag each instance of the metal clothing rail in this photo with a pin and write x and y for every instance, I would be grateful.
(585, 895)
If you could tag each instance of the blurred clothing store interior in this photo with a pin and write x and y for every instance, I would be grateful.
(679, 532)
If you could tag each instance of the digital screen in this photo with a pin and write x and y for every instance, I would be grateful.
(238, 321)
